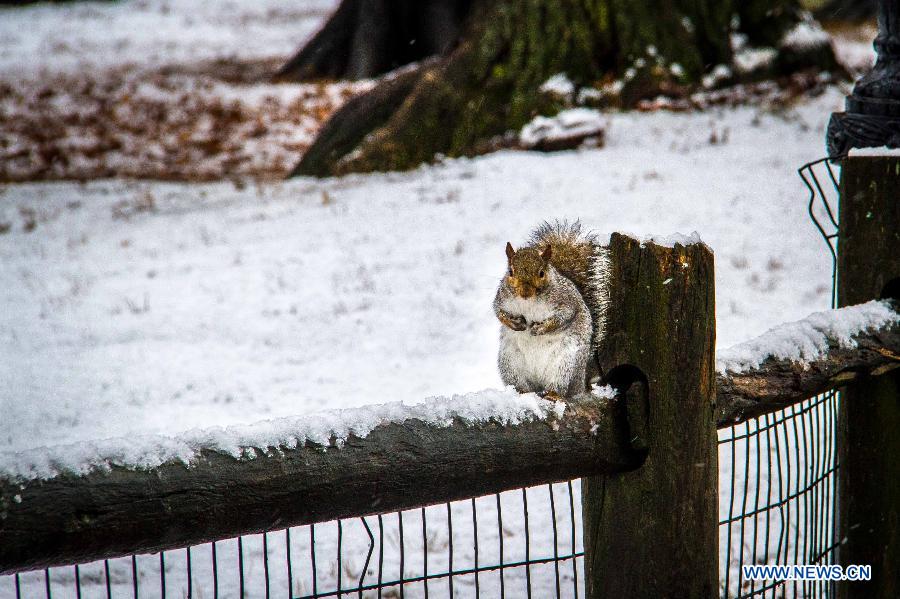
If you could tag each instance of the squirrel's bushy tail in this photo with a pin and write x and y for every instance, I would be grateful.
(578, 255)
(598, 301)
(561, 232)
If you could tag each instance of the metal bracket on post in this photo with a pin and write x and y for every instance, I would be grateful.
(872, 116)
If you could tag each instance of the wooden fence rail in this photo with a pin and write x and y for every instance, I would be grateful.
(69, 519)
(777, 384)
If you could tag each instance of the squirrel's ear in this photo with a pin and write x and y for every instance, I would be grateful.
(509, 251)
(547, 253)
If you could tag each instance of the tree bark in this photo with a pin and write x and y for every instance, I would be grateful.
(356, 119)
(488, 84)
(653, 532)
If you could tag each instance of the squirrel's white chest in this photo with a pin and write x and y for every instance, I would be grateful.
(540, 360)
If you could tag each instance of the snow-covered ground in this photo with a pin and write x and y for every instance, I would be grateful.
(149, 308)
(157, 90)
(146, 308)
(62, 38)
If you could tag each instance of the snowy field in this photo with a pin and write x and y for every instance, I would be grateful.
(139, 307)
(52, 38)
(132, 308)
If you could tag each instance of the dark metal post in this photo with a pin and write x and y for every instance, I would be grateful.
(872, 117)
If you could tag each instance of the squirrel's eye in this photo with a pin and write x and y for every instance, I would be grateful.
(541, 274)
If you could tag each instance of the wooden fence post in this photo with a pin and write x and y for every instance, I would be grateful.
(653, 532)
(869, 488)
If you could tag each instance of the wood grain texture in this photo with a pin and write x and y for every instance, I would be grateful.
(653, 532)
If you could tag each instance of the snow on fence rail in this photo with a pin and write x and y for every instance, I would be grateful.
(413, 458)
(81, 503)
(324, 429)
(798, 360)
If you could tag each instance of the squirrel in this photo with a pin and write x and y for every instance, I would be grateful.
(552, 304)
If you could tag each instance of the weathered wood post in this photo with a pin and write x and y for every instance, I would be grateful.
(653, 532)
(869, 488)
(868, 267)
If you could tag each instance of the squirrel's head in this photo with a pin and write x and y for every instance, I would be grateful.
(528, 269)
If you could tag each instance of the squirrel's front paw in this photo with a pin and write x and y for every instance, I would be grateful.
(543, 327)
(516, 323)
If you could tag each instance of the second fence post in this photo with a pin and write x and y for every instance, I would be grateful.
(869, 475)
(653, 532)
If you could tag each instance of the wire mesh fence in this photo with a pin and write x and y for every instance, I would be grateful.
(777, 505)
(778, 473)
(777, 490)
(522, 543)
(824, 192)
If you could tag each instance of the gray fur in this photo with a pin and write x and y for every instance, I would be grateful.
(595, 273)
(533, 360)
(571, 233)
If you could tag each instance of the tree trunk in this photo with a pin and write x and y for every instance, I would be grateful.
(366, 38)
(489, 82)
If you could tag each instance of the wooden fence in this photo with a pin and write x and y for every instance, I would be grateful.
(648, 458)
